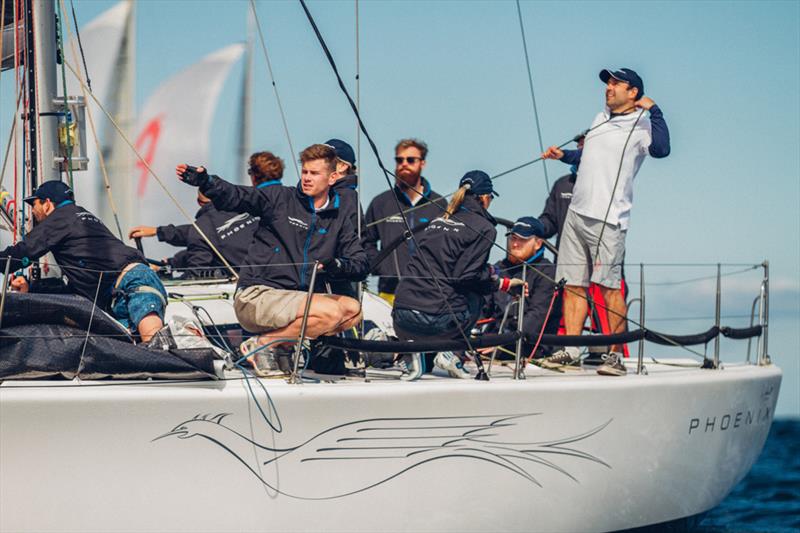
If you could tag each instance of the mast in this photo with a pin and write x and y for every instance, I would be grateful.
(245, 104)
(42, 114)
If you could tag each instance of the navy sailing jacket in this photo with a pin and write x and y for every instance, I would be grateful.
(456, 251)
(347, 188)
(230, 232)
(384, 206)
(291, 235)
(82, 246)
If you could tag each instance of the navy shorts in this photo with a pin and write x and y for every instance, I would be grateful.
(138, 294)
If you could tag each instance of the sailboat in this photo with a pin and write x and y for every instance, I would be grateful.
(552, 452)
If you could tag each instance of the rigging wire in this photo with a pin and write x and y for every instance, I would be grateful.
(380, 161)
(274, 87)
(533, 93)
(80, 43)
(150, 170)
(66, 116)
(101, 159)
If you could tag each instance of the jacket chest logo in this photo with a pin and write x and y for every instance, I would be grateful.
(296, 222)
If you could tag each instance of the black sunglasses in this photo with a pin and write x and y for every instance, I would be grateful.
(409, 160)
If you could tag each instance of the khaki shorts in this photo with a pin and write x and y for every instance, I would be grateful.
(577, 252)
(261, 309)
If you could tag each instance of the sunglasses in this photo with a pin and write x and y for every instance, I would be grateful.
(409, 160)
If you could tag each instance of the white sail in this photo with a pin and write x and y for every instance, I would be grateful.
(174, 127)
(102, 41)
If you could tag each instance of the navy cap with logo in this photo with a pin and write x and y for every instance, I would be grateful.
(527, 227)
(56, 191)
(343, 150)
(479, 183)
(624, 74)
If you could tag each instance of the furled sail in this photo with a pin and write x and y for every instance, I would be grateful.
(174, 127)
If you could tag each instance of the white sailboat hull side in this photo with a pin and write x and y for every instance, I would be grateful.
(584, 453)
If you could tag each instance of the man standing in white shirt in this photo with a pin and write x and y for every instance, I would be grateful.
(592, 245)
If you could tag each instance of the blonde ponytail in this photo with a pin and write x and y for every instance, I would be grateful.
(455, 202)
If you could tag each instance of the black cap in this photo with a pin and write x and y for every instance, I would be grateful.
(343, 150)
(56, 191)
(479, 183)
(624, 74)
(527, 227)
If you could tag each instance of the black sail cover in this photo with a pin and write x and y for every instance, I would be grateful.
(45, 335)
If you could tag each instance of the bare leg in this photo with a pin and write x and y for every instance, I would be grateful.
(617, 312)
(149, 326)
(325, 316)
(576, 308)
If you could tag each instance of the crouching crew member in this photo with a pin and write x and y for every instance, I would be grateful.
(230, 232)
(93, 260)
(298, 226)
(442, 294)
(526, 245)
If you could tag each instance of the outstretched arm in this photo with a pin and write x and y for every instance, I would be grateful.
(226, 196)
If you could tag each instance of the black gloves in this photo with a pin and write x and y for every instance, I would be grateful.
(194, 177)
(332, 267)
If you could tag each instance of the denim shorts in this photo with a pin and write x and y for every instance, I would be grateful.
(138, 294)
(412, 323)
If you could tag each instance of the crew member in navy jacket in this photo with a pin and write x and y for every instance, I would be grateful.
(442, 294)
(98, 266)
(298, 226)
(231, 233)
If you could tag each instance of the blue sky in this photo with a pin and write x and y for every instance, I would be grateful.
(726, 75)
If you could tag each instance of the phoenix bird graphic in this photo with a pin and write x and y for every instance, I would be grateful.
(357, 456)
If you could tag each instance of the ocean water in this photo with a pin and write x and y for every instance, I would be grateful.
(768, 499)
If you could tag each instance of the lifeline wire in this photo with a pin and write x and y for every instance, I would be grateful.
(274, 86)
(378, 157)
(533, 93)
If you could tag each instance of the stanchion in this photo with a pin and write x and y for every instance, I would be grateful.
(5, 289)
(640, 362)
(295, 378)
(764, 358)
(717, 313)
(518, 372)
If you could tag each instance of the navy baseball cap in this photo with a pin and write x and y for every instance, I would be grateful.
(56, 191)
(624, 74)
(343, 150)
(479, 183)
(527, 227)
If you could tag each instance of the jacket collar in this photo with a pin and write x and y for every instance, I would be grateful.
(308, 203)
(348, 182)
(472, 205)
(426, 192)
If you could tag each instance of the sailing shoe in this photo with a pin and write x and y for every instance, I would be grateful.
(412, 365)
(263, 359)
(560, 359)
(612, 366)
(452, 363)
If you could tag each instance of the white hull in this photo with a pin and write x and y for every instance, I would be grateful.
(590, 453)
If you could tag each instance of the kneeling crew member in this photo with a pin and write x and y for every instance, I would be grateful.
(442, 295)
(298, 226)
(526, 245)
(89, 255)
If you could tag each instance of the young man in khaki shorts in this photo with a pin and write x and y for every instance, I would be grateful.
(298, 226)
